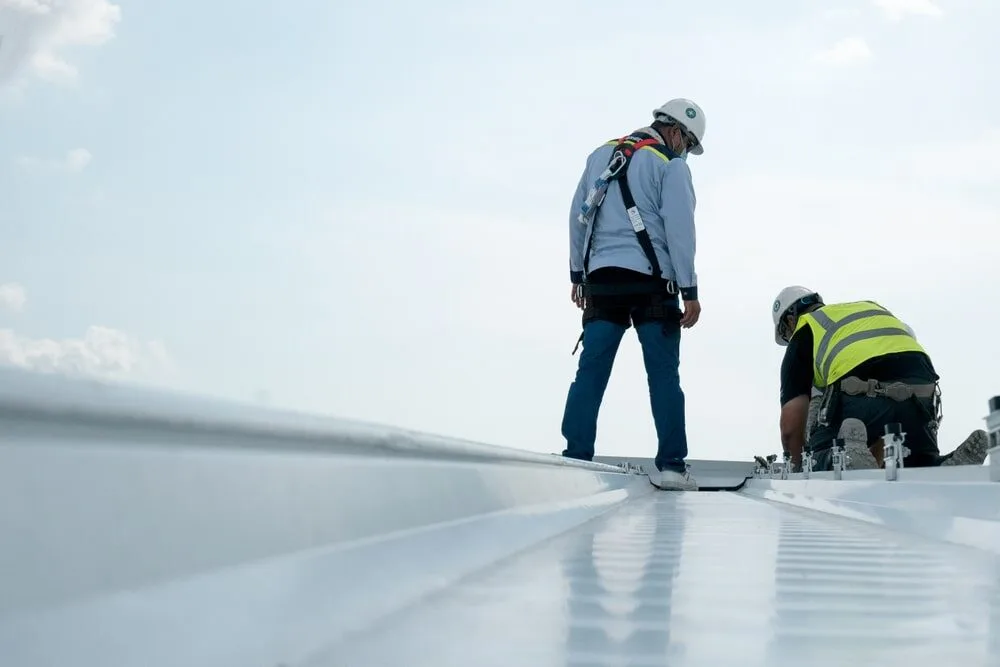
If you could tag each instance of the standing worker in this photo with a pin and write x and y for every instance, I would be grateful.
(632, 251)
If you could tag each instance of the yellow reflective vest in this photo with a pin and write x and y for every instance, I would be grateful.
(848, 334)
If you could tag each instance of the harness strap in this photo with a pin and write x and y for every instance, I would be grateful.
(657, 309)
(623, 154)
(897, 391)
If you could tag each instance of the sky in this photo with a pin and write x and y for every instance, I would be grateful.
(361, 209)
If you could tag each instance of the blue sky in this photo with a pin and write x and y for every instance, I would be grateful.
(363, 211)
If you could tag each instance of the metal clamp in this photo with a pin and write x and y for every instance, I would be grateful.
(893, 450)
(875, 388)
(993, 438)
(771, 458)
(807, 464)
(839, 457)
(630, 468)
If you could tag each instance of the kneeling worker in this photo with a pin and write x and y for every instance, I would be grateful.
(871, 370)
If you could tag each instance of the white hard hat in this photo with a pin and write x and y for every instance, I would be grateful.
(787, 299)
(688, 115)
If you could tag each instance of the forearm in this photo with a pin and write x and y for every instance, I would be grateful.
(792, 443)
(793, 428)
(677, 211)
(577, 235)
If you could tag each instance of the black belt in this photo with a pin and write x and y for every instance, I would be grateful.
(897, 391)
(644, 287)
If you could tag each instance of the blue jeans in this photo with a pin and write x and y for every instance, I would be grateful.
(661, 356)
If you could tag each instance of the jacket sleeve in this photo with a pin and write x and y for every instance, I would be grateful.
(677, 211)
(577, 231)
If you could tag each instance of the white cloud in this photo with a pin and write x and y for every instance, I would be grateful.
(101, 352)
(848, 51)
(895, 10)
(35, 34)
(12, 296)
(75, 160)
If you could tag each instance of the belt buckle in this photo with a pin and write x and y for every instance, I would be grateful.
(874, 389)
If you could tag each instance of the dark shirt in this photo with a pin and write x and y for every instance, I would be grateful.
(797, 367)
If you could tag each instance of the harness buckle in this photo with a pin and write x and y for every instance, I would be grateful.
(615, 166)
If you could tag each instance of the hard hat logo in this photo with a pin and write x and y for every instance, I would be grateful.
(691, 113)
(777, 304)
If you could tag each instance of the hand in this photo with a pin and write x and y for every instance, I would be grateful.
(692, 311)
(576, 294)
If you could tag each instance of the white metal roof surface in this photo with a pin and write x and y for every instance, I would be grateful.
(154, 530)
(704, 579)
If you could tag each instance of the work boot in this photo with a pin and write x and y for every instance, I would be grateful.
(855, 436)
(972, 452)
(671, 480)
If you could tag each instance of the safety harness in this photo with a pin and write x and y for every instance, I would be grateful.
(617, 170)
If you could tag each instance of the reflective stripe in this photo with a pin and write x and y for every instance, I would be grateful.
(655, 150)
(831, 328)
(854, 338)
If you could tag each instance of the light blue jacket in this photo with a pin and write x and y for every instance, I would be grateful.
(664, 195)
